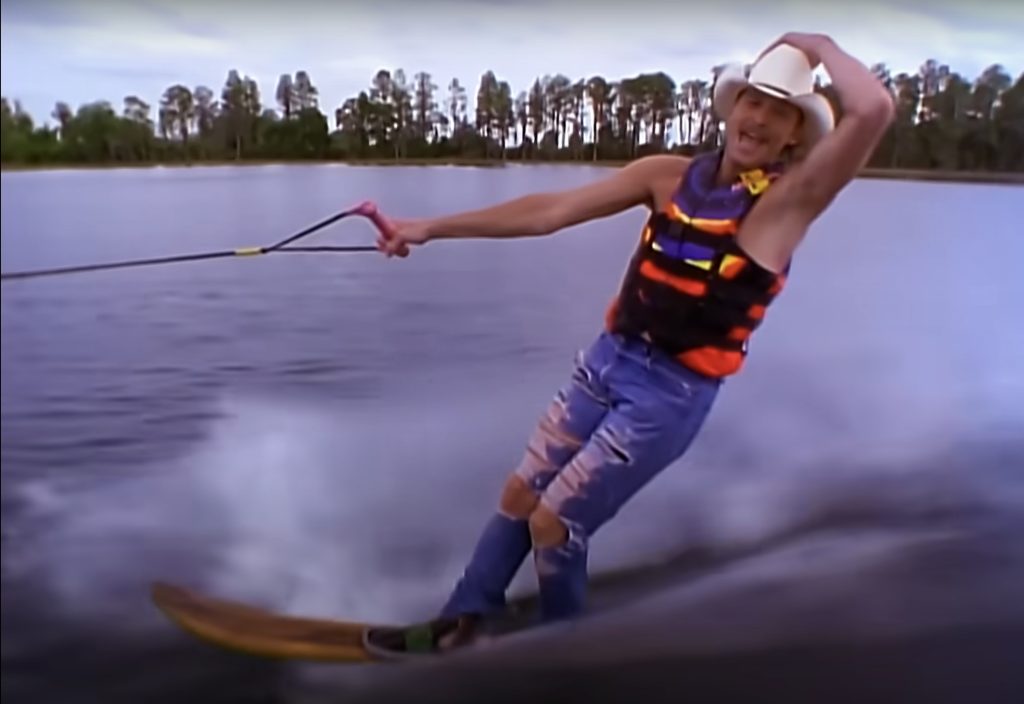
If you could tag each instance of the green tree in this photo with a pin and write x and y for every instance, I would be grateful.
(486, 107)
(138, 128)
(1009, 119)
(63, 114)
(504, 118)
(239, 112)
(286, 95)
(177, 112)
(599, 93)
(206, 119)
(943, 121)
(425, 106)
(307, 97)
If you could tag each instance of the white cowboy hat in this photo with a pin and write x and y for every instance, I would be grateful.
(786, 73)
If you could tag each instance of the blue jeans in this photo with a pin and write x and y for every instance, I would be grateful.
(626, 414)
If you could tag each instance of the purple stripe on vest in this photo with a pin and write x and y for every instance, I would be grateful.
(684, 250)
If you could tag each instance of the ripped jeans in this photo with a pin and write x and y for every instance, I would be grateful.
(627, 413)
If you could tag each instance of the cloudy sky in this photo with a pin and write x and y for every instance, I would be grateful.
(84, 50)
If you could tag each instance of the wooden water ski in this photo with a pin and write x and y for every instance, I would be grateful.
(255, 631)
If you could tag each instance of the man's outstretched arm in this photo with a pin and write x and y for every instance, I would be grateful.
(539, 213)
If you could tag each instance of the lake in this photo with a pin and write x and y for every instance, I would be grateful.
(325, 434)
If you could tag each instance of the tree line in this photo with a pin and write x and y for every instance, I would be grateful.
(944, 121)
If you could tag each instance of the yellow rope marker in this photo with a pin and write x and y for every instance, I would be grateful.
(248, 251)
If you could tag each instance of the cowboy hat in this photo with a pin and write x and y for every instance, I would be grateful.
(786, 73)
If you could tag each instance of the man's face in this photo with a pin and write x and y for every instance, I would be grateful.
(759, 128)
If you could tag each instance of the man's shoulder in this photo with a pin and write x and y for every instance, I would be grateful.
(661, 164)
(659, 173)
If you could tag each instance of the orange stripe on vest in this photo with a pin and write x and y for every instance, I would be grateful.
(688, 286)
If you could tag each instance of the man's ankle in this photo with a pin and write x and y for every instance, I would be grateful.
(464, 633)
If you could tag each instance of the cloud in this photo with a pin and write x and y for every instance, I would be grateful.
(48, 15)
(121, 71)
(140, 31)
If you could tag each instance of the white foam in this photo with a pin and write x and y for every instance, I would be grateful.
(368, 509)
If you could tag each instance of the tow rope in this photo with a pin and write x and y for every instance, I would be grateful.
(366, 209)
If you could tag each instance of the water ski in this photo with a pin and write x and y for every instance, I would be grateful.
(256, 631)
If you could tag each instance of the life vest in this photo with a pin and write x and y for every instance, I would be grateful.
(690, 289)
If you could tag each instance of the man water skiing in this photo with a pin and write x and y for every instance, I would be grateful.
(712, 257)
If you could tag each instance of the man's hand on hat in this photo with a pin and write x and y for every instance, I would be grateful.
(811, 44)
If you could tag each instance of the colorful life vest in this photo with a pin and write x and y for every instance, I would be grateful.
(690, 289)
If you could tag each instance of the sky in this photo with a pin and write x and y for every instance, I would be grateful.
(80, 51)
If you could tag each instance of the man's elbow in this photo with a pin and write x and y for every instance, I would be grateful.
(533, 215)
(885, 108)
(542, 223)
(878, 110)
(550, 215)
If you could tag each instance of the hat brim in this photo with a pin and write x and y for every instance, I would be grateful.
(819, 119)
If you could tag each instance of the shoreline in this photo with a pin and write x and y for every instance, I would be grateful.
(1000, 177)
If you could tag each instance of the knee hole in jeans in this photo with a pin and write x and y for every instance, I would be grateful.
(518, 500)
(547, 529)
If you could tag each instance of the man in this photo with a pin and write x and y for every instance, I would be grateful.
(712, 257)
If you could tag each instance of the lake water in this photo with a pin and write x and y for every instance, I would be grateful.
(325, 434)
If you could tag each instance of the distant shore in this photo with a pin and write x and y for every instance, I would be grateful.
(1008, 177)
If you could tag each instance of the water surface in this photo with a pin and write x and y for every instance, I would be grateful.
(325, 434)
